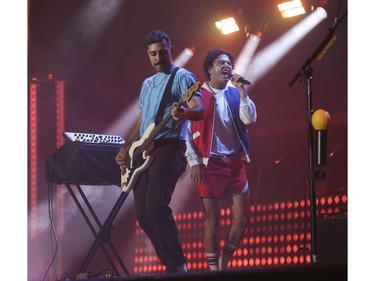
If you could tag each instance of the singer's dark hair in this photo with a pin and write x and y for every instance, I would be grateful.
(158, 36)
(211, 55)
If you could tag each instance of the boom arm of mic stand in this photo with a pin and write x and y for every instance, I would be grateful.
(316, 53)
(313, 56)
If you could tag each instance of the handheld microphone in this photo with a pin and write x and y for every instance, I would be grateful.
(241, 80)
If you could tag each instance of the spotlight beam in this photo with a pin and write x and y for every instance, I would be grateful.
(272, 54)
(247, 53)
(184, 57)
(123, 125)
(86, 28)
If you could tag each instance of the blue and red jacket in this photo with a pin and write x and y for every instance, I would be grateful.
(202, 131)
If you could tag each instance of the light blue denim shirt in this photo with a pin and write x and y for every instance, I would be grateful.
(151, 95)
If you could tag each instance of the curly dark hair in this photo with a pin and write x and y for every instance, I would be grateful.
(158, 36)
(211, 55)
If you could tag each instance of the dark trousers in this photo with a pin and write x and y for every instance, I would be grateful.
(152, 196)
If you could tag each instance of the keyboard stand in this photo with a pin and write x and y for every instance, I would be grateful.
(102, 237)
(79, 163)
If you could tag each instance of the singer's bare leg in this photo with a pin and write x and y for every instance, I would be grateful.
(240, 214)
(212, 208)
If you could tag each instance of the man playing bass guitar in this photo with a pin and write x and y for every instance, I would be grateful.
(153, 187)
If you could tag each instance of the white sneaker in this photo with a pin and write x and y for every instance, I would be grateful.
(180, 269)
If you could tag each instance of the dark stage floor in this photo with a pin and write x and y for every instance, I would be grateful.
(313, 273)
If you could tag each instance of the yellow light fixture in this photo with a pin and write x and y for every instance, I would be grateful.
(320, 120)
(291, 8)
(227, 26)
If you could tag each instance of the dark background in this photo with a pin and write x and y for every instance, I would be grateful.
(98, 48)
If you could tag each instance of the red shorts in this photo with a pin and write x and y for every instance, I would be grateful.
(223, 178)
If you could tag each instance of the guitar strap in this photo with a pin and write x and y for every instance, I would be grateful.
(167, 91)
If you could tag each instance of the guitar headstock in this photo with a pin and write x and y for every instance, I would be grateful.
(189, 92)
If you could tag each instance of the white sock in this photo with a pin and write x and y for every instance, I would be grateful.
(227, 254)
(213, 261)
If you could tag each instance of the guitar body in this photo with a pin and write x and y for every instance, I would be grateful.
(139, 161)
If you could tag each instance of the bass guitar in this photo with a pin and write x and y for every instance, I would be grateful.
(139, 158)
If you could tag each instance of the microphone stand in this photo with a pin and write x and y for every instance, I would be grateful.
(307, 71)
